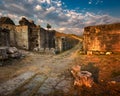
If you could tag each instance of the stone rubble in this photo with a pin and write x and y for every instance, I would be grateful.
(82, 78)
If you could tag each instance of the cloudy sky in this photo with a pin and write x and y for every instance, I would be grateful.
(69, 16)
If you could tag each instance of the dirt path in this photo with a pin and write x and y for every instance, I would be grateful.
(40, 74)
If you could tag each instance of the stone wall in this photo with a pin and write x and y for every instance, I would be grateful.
(51, 38)
(4, 37)
(29, 36)
(21, 36)
(12, 30)
(63, 43)
(102, 38)
(33, 35)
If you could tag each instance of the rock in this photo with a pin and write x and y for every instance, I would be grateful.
(41, 50)
(82, 78)
(52, 51)
(89, 53)
(12, 50)
(113, 82)
(36, 49)
(108, 53)
(75, 69)
(15, 55)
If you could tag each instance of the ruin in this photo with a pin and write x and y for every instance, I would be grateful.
(64, 42)
(4, 37)
(101, 39)
(8, 24)
(81, 78)
(29, 36)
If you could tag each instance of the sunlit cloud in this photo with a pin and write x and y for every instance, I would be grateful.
(53, 12)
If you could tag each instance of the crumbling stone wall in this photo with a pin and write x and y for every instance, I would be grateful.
(43, 38)
(51, 38)
(24, 22)
(47, 38)
(29, 36)
(7, 23)
(102, 38)
(34, 36)
(21, 36)
(63, 43)
(12, 30)
(4, 37)
(6, 20)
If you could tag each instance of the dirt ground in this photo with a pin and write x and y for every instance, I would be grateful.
(42, 74)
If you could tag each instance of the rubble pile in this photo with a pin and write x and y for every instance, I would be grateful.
(9, 52)
(82, 78)
(13, 52)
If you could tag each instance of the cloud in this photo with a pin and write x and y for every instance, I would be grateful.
(53, 12)
(38, 8)
(48, 1)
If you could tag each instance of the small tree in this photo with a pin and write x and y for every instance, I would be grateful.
(48, 26)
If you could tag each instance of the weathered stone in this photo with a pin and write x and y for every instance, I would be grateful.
(24, 21)
(64, 42)
(12, 50)
(89, 53)
(52, 50)
(108, 53)
(6, 20)
(82, 78)
(3, 53)
(29, 36)
(103, 38)
(4, 37)
(15, 55)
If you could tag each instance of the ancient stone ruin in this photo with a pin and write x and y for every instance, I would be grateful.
(29, 36)
(4, 37)
(6, 20)
(64, 42)
(102, 39)
(81, 78)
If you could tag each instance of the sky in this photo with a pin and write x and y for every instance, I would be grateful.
(68, 16)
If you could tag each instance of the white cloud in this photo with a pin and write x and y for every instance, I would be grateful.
(48, 1)
(41, 1)
(59, 3)
(49, 10)
(38, 8)
(52, 11)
